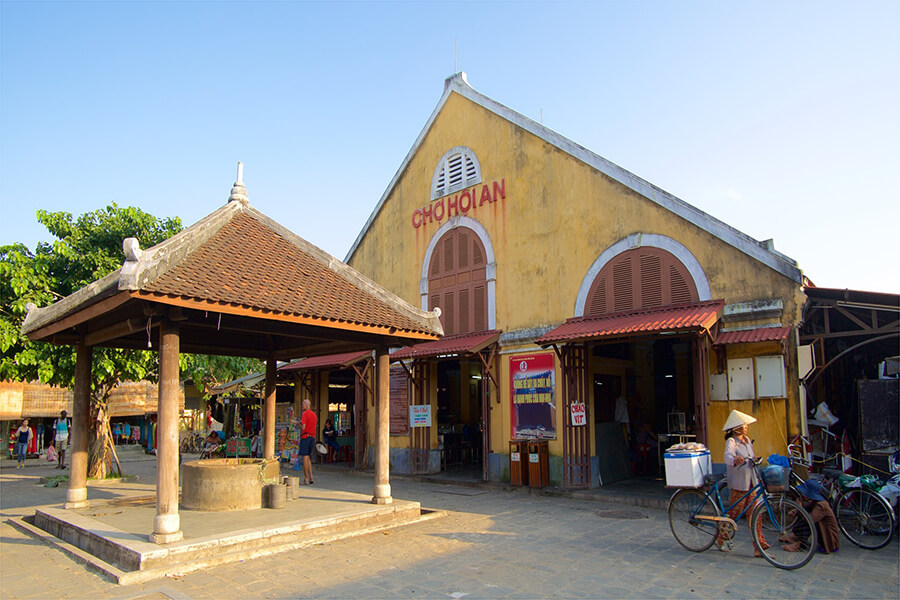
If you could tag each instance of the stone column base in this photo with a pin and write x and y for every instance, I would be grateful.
(166, 538)
(167, 529)
(76, 498)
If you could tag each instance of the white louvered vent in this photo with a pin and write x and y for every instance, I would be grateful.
(458, 169)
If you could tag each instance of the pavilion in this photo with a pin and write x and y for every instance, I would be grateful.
(235, 283)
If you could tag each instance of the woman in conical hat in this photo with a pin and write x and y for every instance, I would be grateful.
(739, 468)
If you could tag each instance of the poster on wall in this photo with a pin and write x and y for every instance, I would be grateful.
(533, 396)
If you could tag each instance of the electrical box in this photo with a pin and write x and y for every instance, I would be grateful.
(770, 376)
(740, 379)
(718, 386)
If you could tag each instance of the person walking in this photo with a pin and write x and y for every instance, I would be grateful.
(61, 427)
(23, 439)
(308, 422)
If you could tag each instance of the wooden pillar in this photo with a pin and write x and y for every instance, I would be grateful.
(298, 395)
(167, 524)
(382, 427)
(76, 495)
(269, 440)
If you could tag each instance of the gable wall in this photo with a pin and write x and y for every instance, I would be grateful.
(558, 216)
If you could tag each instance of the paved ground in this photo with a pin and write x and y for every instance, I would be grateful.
(493, 544)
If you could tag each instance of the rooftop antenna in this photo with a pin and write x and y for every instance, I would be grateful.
(240, 175)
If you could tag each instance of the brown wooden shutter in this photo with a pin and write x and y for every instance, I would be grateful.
(640, 278)
(683, 291)
(479, 302)
(651, 281)
(623, 286)
(457, 281)
(399, 394)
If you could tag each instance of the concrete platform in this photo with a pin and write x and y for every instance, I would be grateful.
(111, 536)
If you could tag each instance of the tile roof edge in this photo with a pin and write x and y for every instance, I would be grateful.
(134, 274)
(153, 262)
(428, 320)
(38, 317)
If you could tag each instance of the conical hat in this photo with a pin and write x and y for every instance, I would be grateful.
(736, 419)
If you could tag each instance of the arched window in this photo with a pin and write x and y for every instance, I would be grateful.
(644, 277)
(458, 169)
(457, 281)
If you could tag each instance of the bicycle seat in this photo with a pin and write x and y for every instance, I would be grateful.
(714, 477)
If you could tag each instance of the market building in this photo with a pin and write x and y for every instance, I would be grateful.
(577, 300)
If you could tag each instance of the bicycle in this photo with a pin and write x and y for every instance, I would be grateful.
(863, 515)
(192, 443)
(696, 520)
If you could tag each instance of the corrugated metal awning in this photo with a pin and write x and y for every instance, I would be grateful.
(701, 316)
(330, 361)
(763, 334)
(246, 381)
(466, 343)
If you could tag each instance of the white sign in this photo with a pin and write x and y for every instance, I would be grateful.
(579, 414)
(514, 456)
(420, 415)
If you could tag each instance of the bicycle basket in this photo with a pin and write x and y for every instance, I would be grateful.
(776, 478)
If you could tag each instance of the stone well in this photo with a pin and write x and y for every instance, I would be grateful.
(226, 483)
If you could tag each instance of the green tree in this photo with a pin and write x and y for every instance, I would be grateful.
(86, 249)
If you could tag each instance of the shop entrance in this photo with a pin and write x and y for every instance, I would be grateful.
(644, 401)
(341, 411)
(459, 416)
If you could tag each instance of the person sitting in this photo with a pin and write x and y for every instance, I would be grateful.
(212, 444)
(822, 515)
(329, 434)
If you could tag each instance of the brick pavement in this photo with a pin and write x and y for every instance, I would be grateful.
(492, 544)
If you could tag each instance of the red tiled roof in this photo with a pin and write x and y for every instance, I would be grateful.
(247, 264)
(325, 362)
(455, 344)
(766, 334)
(687, 317)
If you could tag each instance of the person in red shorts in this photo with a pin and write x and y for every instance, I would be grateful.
(308, 422)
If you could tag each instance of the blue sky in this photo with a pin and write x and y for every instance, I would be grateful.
(779, 118)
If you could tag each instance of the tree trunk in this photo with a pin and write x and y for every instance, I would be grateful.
(100, 455)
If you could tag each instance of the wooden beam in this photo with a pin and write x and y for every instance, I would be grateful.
(91, 312)
(127, 327)
(264, 315)
(865, 326)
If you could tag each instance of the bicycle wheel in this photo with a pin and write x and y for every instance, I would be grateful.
(695, 535)
(865, 518)
(779, 521)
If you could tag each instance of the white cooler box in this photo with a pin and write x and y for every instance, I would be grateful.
(687, 468)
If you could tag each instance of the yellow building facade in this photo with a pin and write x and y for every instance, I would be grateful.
(582, 306)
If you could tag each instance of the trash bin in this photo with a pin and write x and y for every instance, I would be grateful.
(538, 464)
(518, 469)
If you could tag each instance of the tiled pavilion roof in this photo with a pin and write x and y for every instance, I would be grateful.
(244, 285)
